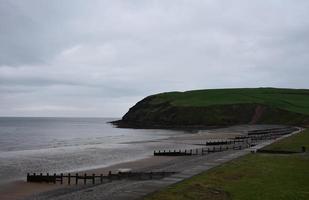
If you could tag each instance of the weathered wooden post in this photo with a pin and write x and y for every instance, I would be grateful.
(118, 175)
(55, 178)
(69, 179)
(93, 179)
(190, 151)
(61, 178)
(76, 178)
(28, 177)
(150, 175)
(47, 178)
(85, 178)
(101, 178)
(109, 175)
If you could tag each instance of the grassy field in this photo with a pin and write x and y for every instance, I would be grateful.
(254, 177)
(294, 100)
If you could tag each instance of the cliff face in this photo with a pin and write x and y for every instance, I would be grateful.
(154, 113)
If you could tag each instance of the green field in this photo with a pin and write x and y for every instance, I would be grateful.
(294, 100)
(255, 177)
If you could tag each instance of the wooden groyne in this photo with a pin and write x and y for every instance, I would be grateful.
(224, 142)
(236, 143)
(198, 151)
(286, 130)
(93, 178)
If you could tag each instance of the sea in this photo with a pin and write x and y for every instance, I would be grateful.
(54, 145)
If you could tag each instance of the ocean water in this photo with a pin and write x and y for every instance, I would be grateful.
(69, 144)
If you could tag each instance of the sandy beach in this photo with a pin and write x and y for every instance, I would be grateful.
(23, 190)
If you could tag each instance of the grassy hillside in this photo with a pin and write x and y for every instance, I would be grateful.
(287, 99)
(220, 107)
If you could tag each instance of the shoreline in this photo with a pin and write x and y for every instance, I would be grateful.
(21, 189)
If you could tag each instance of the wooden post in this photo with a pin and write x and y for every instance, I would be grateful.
(101, 177)
(93, 179)
(85, 179)
(109, 175)
(55, 178)
(150, 175)
(69, 179)
(196, 151)
(76, 178)
(47, 179)
(118, 175)
(61, 178)
(190, 151)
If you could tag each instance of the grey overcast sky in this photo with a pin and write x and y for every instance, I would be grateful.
(98, 58)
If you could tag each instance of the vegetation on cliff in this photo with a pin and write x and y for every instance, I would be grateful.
(220, 107)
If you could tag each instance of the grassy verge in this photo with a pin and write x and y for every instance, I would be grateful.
(293, 143)
(255, 176)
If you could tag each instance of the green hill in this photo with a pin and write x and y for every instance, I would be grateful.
(220, 107)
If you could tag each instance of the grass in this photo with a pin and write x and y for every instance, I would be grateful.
(294, 100)
(254, 177)
(293, 143)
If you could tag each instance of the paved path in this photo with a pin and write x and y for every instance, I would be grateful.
(128, 190)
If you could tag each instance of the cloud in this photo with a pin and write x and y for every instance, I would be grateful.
(77, 58)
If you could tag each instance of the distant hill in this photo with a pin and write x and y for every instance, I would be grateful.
(219, 107)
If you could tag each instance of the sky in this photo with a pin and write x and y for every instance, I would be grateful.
(97, 58)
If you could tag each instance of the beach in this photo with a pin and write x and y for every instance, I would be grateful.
(23, 190)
